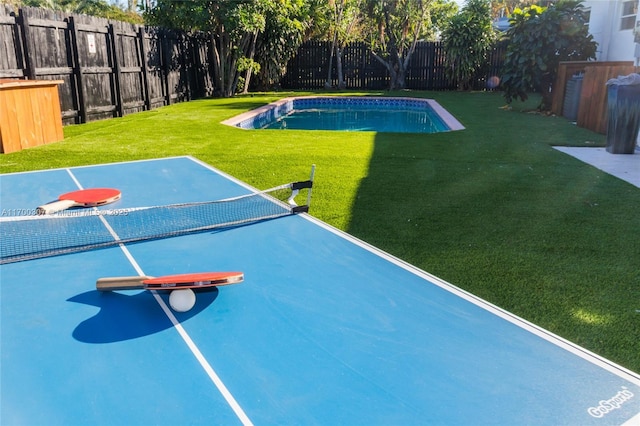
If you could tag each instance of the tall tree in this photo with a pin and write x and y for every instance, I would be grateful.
(230, 25)
(397, 25)
(288, 23)
(345, 19)
(441, 13)
(539, 38)
(467, 42)
(249, 21)
(242, 33)
(500, 8)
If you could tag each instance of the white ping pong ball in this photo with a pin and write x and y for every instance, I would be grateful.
(182, 300)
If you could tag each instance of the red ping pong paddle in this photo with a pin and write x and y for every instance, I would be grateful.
(170, 282)
(92, 197)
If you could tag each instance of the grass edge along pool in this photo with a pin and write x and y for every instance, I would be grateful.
(262, 117)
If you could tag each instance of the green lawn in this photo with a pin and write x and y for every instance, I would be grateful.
(492, 209)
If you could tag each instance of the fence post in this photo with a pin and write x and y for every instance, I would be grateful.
(363, 65)
(145, 69)
(77, 71)
(197, 66)
(117, 72)
(185, 46)
(164, 58)
(30, 71)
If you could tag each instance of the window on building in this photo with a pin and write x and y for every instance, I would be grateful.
(629, 12)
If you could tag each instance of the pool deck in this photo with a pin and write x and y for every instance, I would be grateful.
(622, 166)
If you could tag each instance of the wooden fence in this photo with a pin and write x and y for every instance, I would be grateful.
(309, 68)
(592, 108)
(109, 68)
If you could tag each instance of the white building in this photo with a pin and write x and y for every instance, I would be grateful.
(615, 26)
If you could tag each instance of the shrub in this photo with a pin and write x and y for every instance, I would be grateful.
(539, 39)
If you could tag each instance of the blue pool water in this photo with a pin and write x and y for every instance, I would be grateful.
(360, 119)
(377, 114)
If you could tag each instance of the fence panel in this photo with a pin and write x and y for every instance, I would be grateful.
(203, 84)
(47, 53)
(96, 68)
(175, 62)
(109, 68)
(373, 74)
(307, 69)
(426, 71)
(129, 68)
(11, 55)
(496, 59)
(351, 64)
(154, 59)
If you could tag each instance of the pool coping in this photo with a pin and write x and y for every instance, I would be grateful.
(449, 120)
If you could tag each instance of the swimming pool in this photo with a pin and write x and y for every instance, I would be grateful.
(350, 113)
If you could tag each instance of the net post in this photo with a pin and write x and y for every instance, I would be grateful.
(295, 190)
(313, 171)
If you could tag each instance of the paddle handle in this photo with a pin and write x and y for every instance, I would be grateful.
(56, 206)
(120, 283)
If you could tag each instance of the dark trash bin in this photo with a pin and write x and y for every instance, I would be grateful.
(623, 111)
(572, 97)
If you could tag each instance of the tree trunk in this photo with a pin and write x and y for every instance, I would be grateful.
(232, 79)
(341, 82)
(401, 78)
(247, 77)
(545, 90)
(217, 66)
(327, 84)
(390, 69)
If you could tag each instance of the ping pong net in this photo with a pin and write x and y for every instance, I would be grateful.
(33, 237)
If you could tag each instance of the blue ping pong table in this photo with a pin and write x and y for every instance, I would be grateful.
(324, 330)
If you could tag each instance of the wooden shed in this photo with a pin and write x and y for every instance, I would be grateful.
(29, 114)
(592, 108)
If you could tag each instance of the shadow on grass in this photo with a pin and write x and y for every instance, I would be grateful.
(512, 222)
(240, 106)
